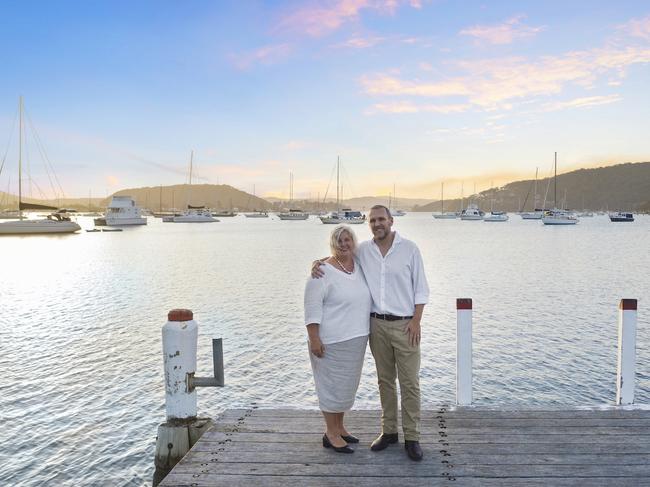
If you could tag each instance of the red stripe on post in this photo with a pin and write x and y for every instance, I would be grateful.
(180, 315)
(464, 303)
(627, 304)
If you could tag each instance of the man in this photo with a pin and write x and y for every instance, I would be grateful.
(395, 274)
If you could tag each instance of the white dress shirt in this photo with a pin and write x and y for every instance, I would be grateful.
(397, 281)
(339, 303)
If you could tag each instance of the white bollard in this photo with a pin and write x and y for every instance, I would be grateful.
(179, 336)
(625, 376)
(464, 351)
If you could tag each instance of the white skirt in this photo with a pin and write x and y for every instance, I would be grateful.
(337, 374)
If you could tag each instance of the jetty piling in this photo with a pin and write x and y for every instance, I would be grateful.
(183, 427)
(625, 375)
(463, 351)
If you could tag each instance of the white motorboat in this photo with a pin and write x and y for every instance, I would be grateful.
(224, 213)
(496, 216)
(194, 214)
(621, 216)
(558, 216)
(121, 210)
(293, 214)
(58, 222)
(345, 216)
(586, 214)
(257, 214)
(472, 212)
(532, 215)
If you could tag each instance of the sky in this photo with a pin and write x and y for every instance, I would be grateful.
(407, 93)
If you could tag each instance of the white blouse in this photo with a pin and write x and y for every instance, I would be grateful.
(339, 303)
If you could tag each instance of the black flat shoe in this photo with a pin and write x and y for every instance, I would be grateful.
(413, 450)
(338, 449)
(383, 441)
(350, 438)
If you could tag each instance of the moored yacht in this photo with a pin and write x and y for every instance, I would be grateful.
(621, 216)
(496, 216)
(532, 215)
(558, 216)
(121, 210)
(293, 214)
(194, 214)
(344, 216)
(472, 212)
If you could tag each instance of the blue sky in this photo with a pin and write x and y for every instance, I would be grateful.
(409, 93)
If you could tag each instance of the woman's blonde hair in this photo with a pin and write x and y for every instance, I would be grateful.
(336, 236)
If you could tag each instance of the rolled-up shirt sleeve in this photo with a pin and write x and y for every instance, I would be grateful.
(420, 285)
(314, 297)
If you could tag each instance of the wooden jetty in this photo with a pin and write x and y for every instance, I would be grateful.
(463, 446)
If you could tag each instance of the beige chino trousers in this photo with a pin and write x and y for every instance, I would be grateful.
(396, 358)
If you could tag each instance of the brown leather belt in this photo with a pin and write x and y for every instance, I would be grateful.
(389, 317)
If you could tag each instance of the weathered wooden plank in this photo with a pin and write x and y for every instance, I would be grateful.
(476, 412)
(477, 437)
(188, 480)
(396, 456)
(423, 469)
(458, 448)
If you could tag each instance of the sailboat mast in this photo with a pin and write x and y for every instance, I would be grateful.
(338, 198)
(442, 198)
(189, 189)
(555, 183)
(20, 158)
(535, 191)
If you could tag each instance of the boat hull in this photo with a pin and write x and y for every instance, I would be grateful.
(445, 216)
(293, 217)
(117, 222)
(33, 227)
(341, 221)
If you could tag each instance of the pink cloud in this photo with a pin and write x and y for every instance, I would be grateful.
(496, 83)
(637, 28)
(265, 55)
(409, 107)
(584, 102)
(317, 19)
(504, 33)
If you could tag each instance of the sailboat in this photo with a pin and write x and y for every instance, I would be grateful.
(442, 215)
(396, 211)
(256, 213)
(293, 213)
(345, 215)
(537, 213)
(558, 216)
(58, 222)
(193, 214)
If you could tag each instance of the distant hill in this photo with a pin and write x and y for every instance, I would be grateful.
(216, 196)
(360, 203)
(623, 186)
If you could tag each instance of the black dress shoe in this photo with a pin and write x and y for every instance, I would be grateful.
(413, 450)
(338, 449)
(383, 441)
(350, 438)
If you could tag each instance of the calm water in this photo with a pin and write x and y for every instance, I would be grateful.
(81, 386)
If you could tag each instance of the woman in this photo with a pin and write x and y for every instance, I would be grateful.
(337, 316)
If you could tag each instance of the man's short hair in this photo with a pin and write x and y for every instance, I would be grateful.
(379, 207)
